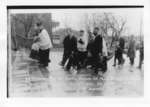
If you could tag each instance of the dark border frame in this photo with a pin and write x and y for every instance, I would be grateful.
(72, 6)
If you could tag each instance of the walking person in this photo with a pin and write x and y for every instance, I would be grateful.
(116, 57)
(141, 54)
(100, 52)
(70, 46)
(131, 50)
(81, 49)
(120, 51)
(90, 50)
(44, 44)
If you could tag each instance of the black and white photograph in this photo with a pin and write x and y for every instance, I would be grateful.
(75, 51)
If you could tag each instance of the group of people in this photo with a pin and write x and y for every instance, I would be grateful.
(80, 52)
(131, 51)
(83, 51)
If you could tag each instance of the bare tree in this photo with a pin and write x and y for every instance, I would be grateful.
(109, 24)
(117, 24)
(26, 20)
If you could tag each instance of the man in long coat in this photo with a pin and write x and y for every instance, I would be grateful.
(100, 52)
(70, 48)
(132, 50)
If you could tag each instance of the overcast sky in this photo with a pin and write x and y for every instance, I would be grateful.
(74, 18)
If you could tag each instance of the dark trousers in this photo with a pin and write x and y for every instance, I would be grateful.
(34, 54)
(131, 60)
(89, 61)
(66, 56)
(81, 56)
(115, 58)
(72, 60)
(44, 57)
(141, 59)
(100, 62)
(119, 57)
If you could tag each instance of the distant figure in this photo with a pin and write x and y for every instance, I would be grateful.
(44, 44)
(119, 51)
(116, 58)
(70, 47)
(131, 50)
(81, 49)
(141, 54)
